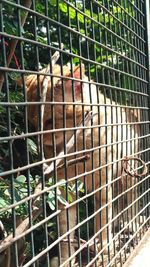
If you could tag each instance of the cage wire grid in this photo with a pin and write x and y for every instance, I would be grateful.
(74, 131)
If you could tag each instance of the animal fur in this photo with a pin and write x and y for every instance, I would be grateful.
(107, 138)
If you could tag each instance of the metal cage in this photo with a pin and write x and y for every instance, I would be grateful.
(74, 131)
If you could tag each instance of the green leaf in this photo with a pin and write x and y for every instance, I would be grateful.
(87, 12)
(80, 18)
(70, 198)
(80, 186)
(52, 234)
(50, 181)
(117, 9)
(52, 204)
(32, 146)
(62, 200)
(82, 31)
(7, 193)
(51, 200)
(31, 178)
(76, 60)
(72, 12)
(41, 40)
(23, 190)
(10, 29)
(63, 7)
(21, 179)
(17, 196)
(62, 182)
(53, 2)
(3, 203)
(50, 224)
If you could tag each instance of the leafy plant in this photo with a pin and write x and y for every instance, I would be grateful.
(20, 191)
(68, 189)
(86, 31)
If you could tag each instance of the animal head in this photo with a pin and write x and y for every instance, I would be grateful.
(58, 111)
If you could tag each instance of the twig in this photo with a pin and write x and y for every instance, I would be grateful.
(74, 161)
(2, 230)
(55, 57)
(27, 4)
(9, 240)
(6, 182)
(50, 168)
(5, 257)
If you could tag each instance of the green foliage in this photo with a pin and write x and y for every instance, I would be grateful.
(21, 188)
(99, 49)
(68, 189)
(9, 195)
(92, 22)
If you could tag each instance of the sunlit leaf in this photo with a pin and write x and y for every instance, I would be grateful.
(21, 179)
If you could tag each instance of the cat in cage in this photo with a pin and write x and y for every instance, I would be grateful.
(107, 137)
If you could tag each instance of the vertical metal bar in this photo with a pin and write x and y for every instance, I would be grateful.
(75, 133)
(64, 132)
(84, 132)
(10, 149)
(111, 39)
(92, 133)
(147, 38)
(54, 139)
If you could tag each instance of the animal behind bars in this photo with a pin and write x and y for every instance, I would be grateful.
(109, 135)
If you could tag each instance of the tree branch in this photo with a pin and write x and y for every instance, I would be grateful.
(13, 44)
(9, 240)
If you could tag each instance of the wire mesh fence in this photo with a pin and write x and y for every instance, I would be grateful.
(74, 132)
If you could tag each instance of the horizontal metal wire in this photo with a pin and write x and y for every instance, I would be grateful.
(116, 19)
(122, 248)
(82, 198)
(135, 7)
(40, 103)
(15, 137)
(70, 54)
(93, 237)
(103, 26)
(141, 227)
(77, 56)
(129, 80)
(128, 14)
(69, 154)
(57, 184)
(83, 222)
(33, 12)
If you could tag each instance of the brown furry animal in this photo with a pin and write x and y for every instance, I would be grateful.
(107, 138)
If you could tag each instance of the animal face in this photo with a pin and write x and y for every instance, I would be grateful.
(61, 114)
(62, 108)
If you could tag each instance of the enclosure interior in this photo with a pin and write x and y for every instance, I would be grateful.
(74, 131)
